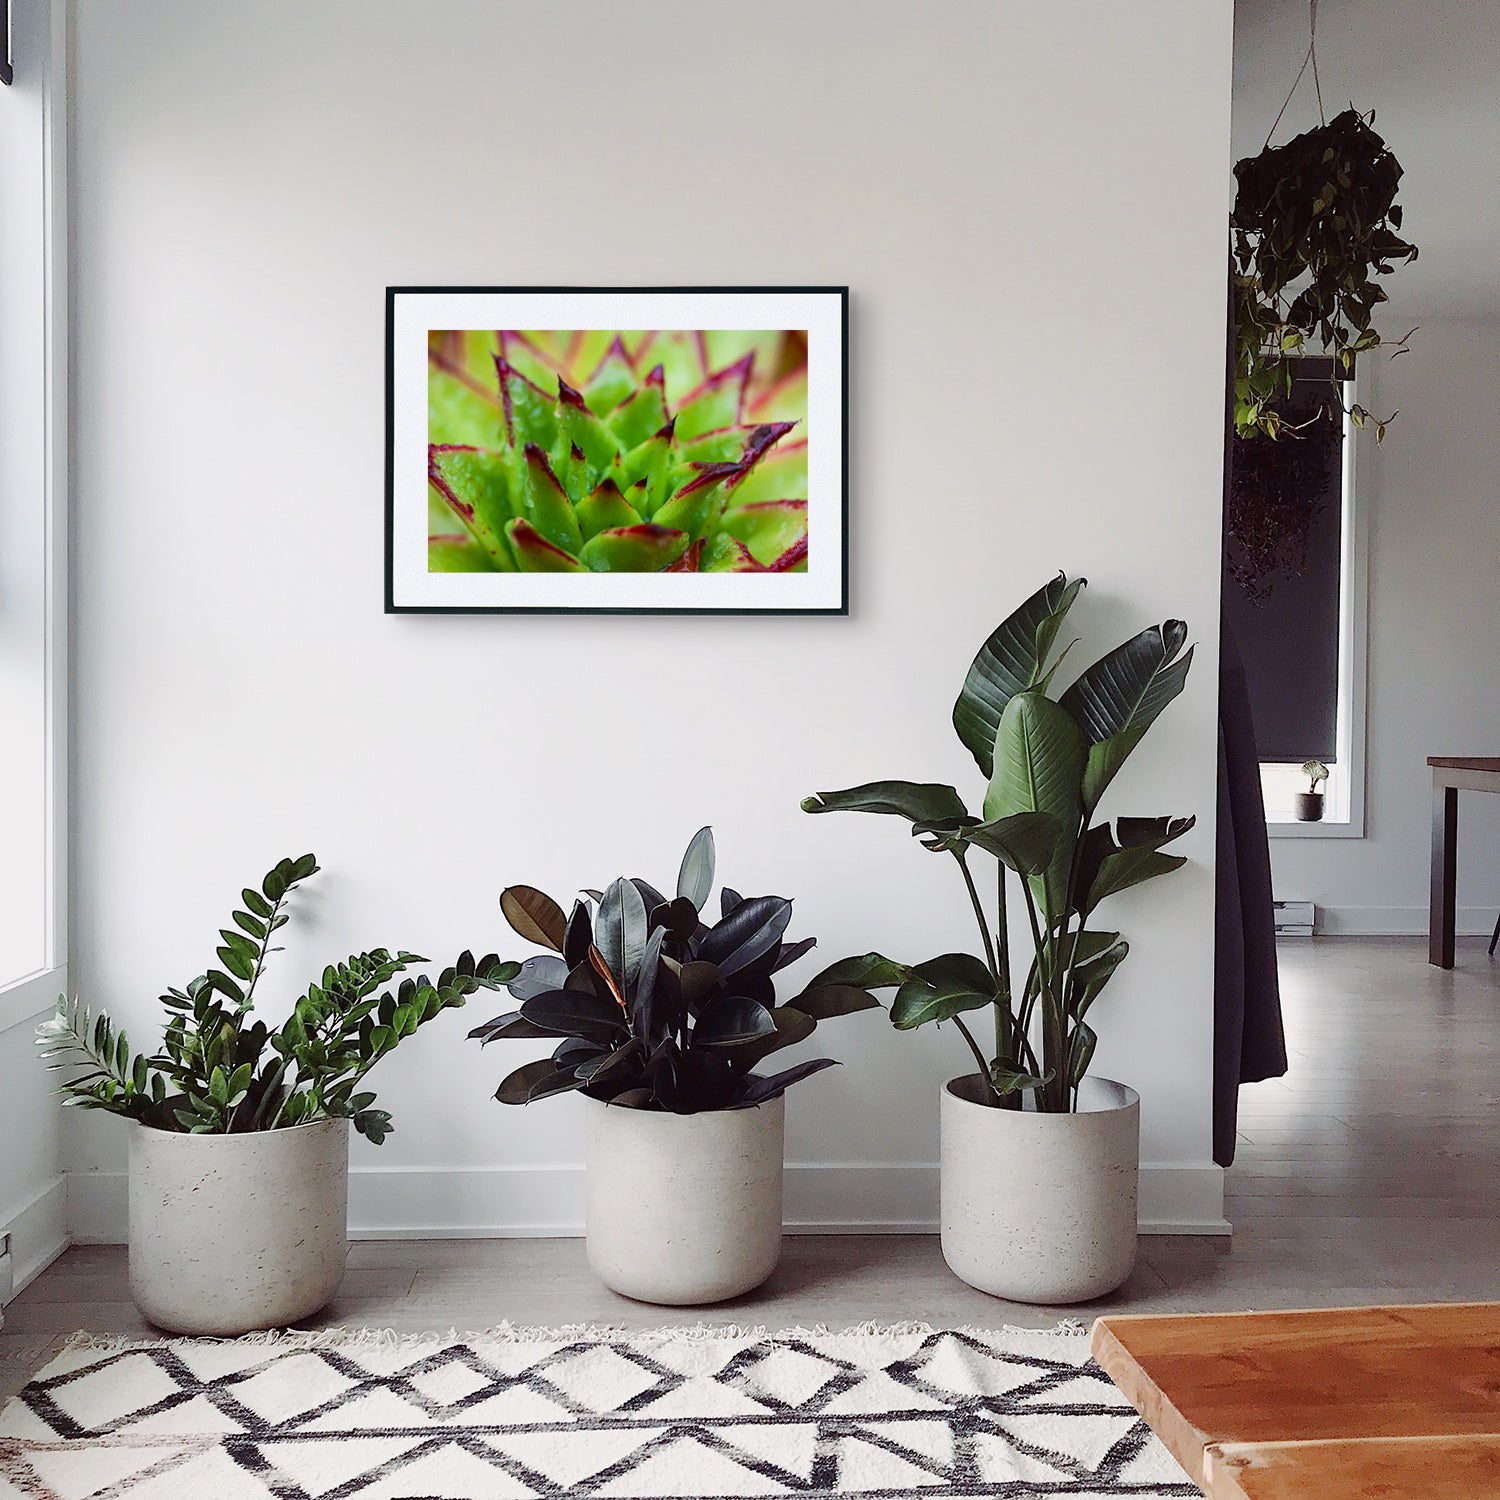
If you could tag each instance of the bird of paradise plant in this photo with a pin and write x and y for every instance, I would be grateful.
(1047, 762)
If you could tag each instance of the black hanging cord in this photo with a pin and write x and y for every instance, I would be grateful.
(1311, 56)
(7, 71)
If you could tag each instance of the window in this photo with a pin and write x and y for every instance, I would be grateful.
(33, 546)
(1295, 597)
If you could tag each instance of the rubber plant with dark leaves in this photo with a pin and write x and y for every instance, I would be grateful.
(221, 1071)
(598, 452)
(1048, 762)
(657, 1009)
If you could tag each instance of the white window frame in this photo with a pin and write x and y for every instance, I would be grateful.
(29, 995)
(1344, 791)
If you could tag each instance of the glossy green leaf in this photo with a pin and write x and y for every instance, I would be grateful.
(824, 1001)
(582, 427)
(1113, 860)
(462, 554)
(638, 417)
(1118, 699)
(716, 403)
(1006, 1078)
(460, 412)
(727, 554)
(545, 503)
(940, 989)
(647, 548)
(1013, 660)
(535, 554)
(768, 528)
(1038, 767)
(918, 801)
(868, 971)
(612, 382)
(1025, 842)
(604, 509)
(698, 502)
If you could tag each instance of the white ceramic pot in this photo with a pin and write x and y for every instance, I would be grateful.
(1041, 1207)
(684, 1209)
(230, 1233)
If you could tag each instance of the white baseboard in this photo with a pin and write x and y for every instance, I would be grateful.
(1399, 921)
(537, 1202)
(38, 1229)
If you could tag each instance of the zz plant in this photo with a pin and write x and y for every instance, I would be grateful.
(221, 1071)
(657, 1009)
(1048, 762)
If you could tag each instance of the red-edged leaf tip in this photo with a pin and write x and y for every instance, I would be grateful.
(763, 438)
(541, 466)
(576, 454)
(668, 429)
(568, 396)
(709, 474)
(658, 376)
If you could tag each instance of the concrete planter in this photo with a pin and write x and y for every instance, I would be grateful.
(1308, 806)
(684, 1209)
(230, 1233)
(1040, 1207)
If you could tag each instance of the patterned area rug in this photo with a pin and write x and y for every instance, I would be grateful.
(875, 1412)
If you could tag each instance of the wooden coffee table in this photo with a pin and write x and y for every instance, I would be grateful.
(1328, 1405)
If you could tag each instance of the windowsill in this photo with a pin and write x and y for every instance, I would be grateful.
(1326, 828)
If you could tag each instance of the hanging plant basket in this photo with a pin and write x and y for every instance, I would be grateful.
(1314, 226)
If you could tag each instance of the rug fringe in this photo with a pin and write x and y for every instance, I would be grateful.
(291, 1339)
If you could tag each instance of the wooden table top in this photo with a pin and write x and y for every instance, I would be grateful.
(1333, 1378)
(1432, 1467)
(1465, 762)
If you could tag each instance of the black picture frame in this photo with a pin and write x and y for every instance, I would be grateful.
(392, 293)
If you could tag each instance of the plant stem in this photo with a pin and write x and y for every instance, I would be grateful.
(984, 1067)
(984, 930)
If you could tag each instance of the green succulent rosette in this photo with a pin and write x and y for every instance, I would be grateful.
(600, 451)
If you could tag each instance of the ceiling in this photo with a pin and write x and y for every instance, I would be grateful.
(1431, 71)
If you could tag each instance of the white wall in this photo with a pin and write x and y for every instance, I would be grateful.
(1028, 203)
(1434, 667)
(1429, 491)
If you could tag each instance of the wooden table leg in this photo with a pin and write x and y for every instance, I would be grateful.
(1443, 898)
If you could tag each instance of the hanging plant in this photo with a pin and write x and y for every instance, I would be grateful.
(1314, 225)
(1278, 492)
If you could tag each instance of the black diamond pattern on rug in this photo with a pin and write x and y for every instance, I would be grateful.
(672, 1415)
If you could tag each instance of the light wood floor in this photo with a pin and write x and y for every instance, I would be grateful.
(1370, 1173)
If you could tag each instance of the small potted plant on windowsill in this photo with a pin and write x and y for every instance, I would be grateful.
(1308, 805)
(1039, 1161)
(662, 1019)
(239, 1135)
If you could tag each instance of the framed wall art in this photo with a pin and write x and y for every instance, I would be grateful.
(671, 450)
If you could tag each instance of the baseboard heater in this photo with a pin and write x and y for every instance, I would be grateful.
(1295, 918)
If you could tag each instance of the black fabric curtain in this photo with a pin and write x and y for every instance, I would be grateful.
(1249, 1043)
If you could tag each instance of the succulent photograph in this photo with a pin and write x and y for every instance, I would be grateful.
(614, 451)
